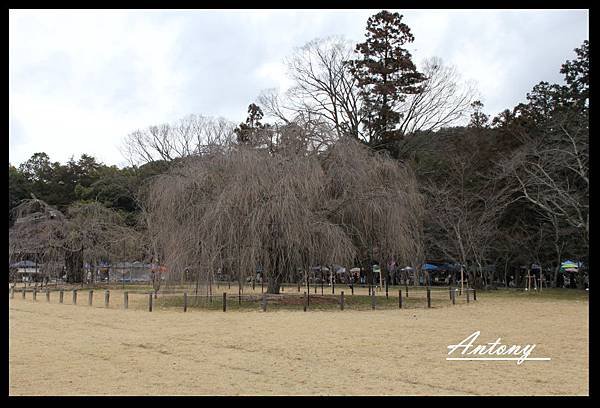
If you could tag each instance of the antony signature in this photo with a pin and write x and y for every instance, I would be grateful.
(496, 351)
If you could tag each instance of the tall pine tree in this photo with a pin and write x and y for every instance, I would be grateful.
(385, 74)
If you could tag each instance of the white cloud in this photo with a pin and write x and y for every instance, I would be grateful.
(81, 80)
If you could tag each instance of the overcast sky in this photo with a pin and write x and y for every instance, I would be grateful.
(80, 80)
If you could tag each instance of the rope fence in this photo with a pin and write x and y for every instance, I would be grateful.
(173, 299)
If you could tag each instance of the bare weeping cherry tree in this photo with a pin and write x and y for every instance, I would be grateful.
(88, 233)
(37, 235)
(189, 136)
(100, 234)
(376, 200)
(282, 208)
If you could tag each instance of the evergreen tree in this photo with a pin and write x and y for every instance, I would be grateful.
(385, 74)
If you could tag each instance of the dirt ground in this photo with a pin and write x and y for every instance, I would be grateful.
(64, 349)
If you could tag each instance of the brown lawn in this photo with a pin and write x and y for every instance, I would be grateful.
(70, 349)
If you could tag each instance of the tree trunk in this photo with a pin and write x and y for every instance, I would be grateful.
(555, 277)
(275, 277)
(580, 279)
(557, 269)
(274, 283)
(74, 264)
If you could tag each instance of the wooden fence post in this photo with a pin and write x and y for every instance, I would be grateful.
(298, 286)
(428, 297)
(450, 292)
(34, 293)
(406, 289)
(224, 301)
(305, 298)
(106, 298)
(150, 301)
(264, 302)
(90, 297)
(23, 292)
(386, 288)
(474, 294)
(453, 296)
(12, 292)
(184, 302)
(60, 296)
(308, 298)
(252, 284)
(352, 288)
(467, 291)
(262, 286)
(373, 299)
(399, 298)
(74, 296)
(342, 300)
(126, 300)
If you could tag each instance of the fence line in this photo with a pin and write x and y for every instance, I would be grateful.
(264, 298)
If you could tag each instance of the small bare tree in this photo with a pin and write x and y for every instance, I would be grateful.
(37, 235)
(100, 234)
(464, 219)
(191, 135)
(89, 233)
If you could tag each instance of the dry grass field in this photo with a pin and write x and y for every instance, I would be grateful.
(64, 349)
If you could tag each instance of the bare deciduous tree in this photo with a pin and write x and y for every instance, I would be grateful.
(464, 221)
(324, 90)
(281, 210)
(100, 234)
(37, 235)
(445, 99)
(326, 93)
(553, 173)
(89, 233)
(191, 135)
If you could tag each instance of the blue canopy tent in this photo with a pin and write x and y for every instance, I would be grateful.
(429, 267)
(569, 265)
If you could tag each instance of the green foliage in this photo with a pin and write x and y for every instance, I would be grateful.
(246, 131)
(385, 74)
(85, 180)
(540, 147)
